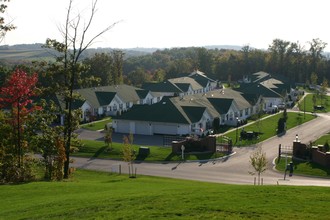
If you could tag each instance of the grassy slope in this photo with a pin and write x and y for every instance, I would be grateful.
(96, 195)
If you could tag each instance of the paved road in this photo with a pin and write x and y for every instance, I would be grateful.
(232, 170)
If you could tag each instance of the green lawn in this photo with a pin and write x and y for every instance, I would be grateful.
(308, 104)
(99, 149)
(97, 195)
(97, 125)
(304, 167)
(322, 140)
(268, 127)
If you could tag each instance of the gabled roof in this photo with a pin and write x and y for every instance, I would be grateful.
(103, 95)
(194, 113)
(164, 111)
(104, 98)
(165, 86)
(201, 78)
(184, 87)
(197, 80)
(187, 81)
(259, 77)
(222, 105)
(259, 89)
(188, 109)
(142, 93)
(239, 99)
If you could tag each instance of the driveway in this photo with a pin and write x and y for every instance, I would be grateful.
(143, 140)
(232, 170)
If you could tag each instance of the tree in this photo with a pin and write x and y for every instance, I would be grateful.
(138, 77)
(100, 67)
(75, 41)
(278, 52)
(314, 79)
(108, 137)
(48, 140)
(159, 75)
(258, 161)
(16, 95)
(326, 147)
(4, 27)
(117, 68)
(128, 153)
(280, 125)
(315, 51)
(324, 89)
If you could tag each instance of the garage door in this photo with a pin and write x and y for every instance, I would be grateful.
(165, 129)
(142, 128)
(122, 127)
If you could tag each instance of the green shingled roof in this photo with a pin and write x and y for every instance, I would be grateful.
(221, 105)
(104, 98)
(201, 78)
(194, 113)
(258, 89)
(164, 111)
(165, 86)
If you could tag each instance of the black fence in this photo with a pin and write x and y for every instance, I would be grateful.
(285, 150)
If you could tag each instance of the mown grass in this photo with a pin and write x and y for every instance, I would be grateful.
(268, 127)
(97, 125)
(308, 105)
(97, 195)
(303, 167)
(322, 140)
(98, 149)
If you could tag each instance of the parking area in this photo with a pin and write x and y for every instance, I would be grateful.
(143, 140)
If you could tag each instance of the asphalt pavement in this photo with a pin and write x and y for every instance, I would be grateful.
(231, 170)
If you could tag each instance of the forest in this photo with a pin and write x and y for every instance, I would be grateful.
(285, 58)
(282, 58)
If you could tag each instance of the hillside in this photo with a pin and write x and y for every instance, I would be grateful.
(29, 52)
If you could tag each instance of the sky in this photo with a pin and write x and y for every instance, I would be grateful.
(176, 23)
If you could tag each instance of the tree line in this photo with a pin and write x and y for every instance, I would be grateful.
(282, 57)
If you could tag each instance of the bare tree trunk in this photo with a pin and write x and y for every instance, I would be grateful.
(19, 150)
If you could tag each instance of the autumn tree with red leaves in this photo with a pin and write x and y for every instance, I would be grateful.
(16, 97)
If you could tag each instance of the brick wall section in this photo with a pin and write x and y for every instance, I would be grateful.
(318, 156)
(321, 157)
(208, 144)
(299, 149)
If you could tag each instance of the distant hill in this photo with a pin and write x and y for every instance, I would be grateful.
(29, 52)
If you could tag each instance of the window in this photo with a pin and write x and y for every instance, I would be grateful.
(120, 106)
(115, 107)
(127, 104)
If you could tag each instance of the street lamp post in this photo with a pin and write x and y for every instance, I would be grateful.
(237, 129)
(304, 106)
